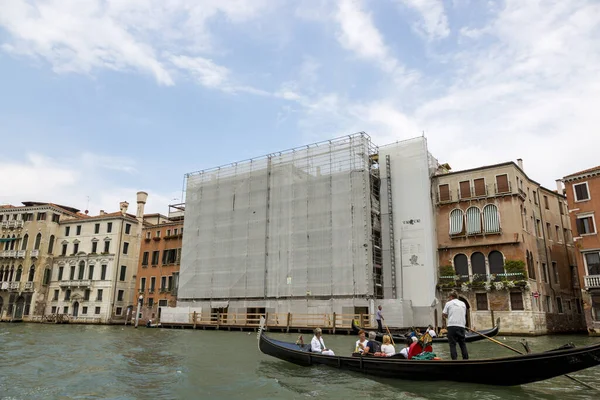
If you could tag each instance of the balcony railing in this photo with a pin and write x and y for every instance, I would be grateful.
(35, 253)
(592, 281)
(21, 253)
(12, 224)
(28, 286)
(9, 254)
(14, 286)
(76, 283)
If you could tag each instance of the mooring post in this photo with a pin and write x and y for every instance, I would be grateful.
(289, 319)
(334, 322)
(194, 319)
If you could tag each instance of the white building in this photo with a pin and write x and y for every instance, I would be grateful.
(93, 274)
(27, 245)
(304, 231)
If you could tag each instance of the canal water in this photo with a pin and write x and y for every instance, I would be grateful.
(113, 362)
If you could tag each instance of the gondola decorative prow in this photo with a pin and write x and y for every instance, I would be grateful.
(261, 328)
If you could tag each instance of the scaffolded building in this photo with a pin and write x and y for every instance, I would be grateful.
(295, 231)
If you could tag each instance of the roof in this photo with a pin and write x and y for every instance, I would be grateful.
(585, 171)
(116, 214)
(38, 203)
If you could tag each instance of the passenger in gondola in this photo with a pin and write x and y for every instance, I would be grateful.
(387, 348)
(373, 346)
(419, 347)
(407, 344)
(431, 331)
(361, 343)
(318, 346)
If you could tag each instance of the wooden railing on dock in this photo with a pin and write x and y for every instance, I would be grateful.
(281, 321)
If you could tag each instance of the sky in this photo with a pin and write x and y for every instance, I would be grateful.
(102, 98)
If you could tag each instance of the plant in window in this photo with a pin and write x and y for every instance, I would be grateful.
(498, 285)
(465, 287)
(487, 286)
(516, 267)
(509, 285)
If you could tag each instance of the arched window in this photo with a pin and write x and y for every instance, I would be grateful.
(25, 242)
(12, 272)
(81, 270)
(31, 274)
(456, 222)
(461, 266)
(491, 219)
(51, 244)
(530, 268)
(473, 220)
(496, 262)
(19, 273)
(12, 242)
(38, 241)
(478, 266)
(1, 273)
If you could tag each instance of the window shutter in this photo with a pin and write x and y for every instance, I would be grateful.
(444, 192)
(580, 227)
(502, 184)
(479, 187)
(465, 190)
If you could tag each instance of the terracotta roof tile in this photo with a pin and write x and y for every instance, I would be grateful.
(585, 171)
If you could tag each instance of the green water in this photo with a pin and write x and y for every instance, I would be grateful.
(98, 362)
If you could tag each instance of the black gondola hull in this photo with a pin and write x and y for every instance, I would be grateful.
(469, 337)
(507, 371)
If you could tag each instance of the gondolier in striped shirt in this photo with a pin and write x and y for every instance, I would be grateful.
(455, 313)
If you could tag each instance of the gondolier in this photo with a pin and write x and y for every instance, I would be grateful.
(455, 313)
(379, 318)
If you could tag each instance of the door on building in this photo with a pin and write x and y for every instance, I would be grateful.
(468, 310)
(363, 315)
(19, 307)
(75, 309)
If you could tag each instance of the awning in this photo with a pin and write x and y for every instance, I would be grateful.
(2, 240)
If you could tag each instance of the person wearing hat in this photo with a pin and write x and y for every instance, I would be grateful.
(318, 346)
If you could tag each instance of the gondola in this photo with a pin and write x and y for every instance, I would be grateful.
(469, 337)
(505, 371)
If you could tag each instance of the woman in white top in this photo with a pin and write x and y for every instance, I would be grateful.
(387, 348)
(318, 346)
(361, 343)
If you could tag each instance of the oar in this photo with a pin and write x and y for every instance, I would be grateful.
(517, 351)
(391, 337)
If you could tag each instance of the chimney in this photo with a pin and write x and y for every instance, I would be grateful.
(141, 203)
(559, 186)
(123, 206)
(102, 212)
(520, 163)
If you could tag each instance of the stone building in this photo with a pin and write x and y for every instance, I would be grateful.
(505, 243)
(583, 195)
(159, 260)
(93, 271)
(28, 243)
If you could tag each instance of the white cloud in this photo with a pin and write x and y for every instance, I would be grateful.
(525, 86)
(205, 71)
(434, 21)
(83, 36)
(42, 178)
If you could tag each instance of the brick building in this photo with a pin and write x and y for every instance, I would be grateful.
(504, 242)
(159, 261)
(583, 195)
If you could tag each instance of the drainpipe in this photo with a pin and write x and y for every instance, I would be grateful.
(117, 267)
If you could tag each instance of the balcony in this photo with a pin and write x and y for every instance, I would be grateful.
(592, 281)
(76, 283)
(35, 253)
(12, 224)
(28, 286)
(9, 254)
(21, 253)
(14, 286)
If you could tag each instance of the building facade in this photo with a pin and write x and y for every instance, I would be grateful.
(324, 228)
(28, 243)
(159, 261)
(94, 268)
(505, 244)
(583, 195)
